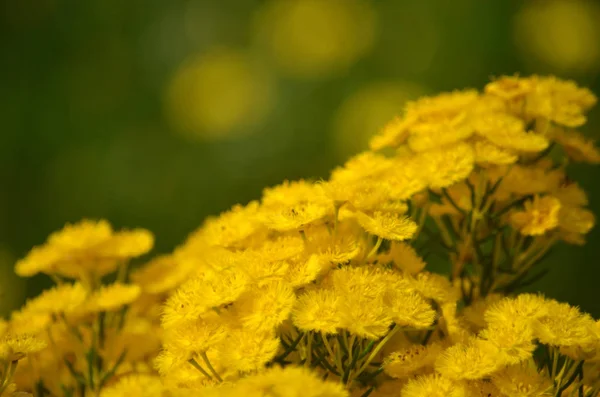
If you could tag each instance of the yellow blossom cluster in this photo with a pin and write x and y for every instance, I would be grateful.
(320, 288)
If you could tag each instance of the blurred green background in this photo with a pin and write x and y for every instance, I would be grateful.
(156, 114)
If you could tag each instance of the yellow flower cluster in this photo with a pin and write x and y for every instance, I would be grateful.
(320, 288)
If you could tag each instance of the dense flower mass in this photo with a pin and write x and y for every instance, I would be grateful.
(321, 288)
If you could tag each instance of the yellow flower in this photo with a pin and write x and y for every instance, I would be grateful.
(487, 152)
(560, 101)
(523, 307)
(318, 310)
(264, 308)
(196, 336)
(405, 258)
(435, 286)
(304, 270)
(564, 325)
(61, 299)
(289, 382)
(161, 274)
(387, 225)
(539, 216)
(508, 132)
(411, 360)
(509, 88)
(433, 386)
(136, 385)
(230, 228)
(198, 295)
(525, 180)
(514, 339)
(361, 168)
(247, 351)
(576, 220)
(447, 165)
(16, 346)
(298, 216)
(112, 297)
(577, 147)
(393, 134)
(474, 359)
(87, 247)
(433, 134)
(442, 106)
(522, 380)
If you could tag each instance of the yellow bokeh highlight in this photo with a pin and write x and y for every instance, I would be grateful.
(218, 95)
(365, 112)
(564, 34)
(313, 38)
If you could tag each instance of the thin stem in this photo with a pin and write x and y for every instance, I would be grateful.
(376, 350)
(309, 337)
(198, 367)
(336, 359)
(375, 248)
(210, 367)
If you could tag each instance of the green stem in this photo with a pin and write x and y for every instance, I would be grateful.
(210, 367)
(375, 248)
(199, 368)
(376, 350)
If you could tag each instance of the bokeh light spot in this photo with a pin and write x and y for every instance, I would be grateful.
(313, 38)
(217, 95)
(563, 34)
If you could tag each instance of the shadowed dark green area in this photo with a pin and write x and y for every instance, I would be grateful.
(83, 131)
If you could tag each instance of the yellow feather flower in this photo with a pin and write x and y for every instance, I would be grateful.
(361, 167)
(435, 286)
(433, 386)
(83, 248)
(318, 310)
(230, 228)
(387, 225)
(16, 346)
(514, 340)
(577, 147)
(474, 359)
(289, 381)
(447, 165)
(487, 153)
(146, 385)
(294, 217)
(112, 297)
(510, 88)
(247, 351)
(161, 274)
(539, 216)
(564, 325)
(304, 270)
(198, 295)
(576, 220)
(406, 258)
(61, 299)
(560, 101)
(393, 134)
(508, 132)
(411, 360)
(430, 135)
(522, 380)
(522, 307)
(441, 106)
(264, 308)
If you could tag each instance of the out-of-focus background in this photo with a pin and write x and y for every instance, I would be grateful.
(156, 114)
